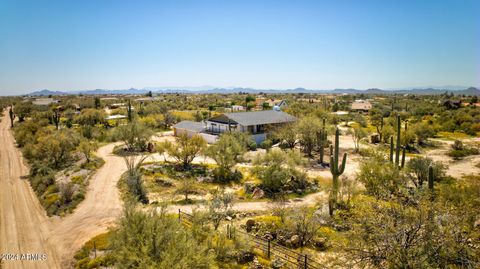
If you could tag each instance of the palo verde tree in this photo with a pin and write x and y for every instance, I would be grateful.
(307, 129)
(86, 147)
(277, 167)
(337, 169)
(418, 170)
(226, 153)
(358, 133)
(285, 135)
(376, 119)
(22, 110)
(135, 135)
(185, 148)
(322, 141)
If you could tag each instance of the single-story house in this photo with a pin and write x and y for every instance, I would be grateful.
(256, 123)
(361, 106)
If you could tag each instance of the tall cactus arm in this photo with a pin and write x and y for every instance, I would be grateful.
(344, 162)
(403, 158)
(397, 153)
(430, 177)
(332, 165)
(391, 149)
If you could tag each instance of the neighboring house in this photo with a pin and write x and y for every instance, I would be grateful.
(238, 108)
(271, 103)
(361, 106)
(45, 101)
(256, 123)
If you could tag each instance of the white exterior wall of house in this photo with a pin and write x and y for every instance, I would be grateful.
(209, 138)
(219, 128)
(216, 127)
(179, 131)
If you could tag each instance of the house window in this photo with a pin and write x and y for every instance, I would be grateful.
(260, 128)
(250, 129)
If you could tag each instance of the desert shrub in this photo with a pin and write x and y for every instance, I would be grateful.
(417, 168)
(223, 175)
(459, 150)
(277, 167)
(252, 146)
(266, 144)
(156, 240)
(380, 178)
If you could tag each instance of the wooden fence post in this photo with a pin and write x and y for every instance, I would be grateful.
(179, 213)
(306, 261)
(94, 250)
(228, 231)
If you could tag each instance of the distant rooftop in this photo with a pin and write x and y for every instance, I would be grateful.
(190, 125)
(258, 117)
(44, 101)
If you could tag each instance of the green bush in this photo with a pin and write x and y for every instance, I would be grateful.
(460, 153)
(266, 144)
(252, 145)
(77, 180)
(222, 175)
(83, 263)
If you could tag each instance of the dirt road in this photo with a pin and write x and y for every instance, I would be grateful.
(24, 226)
(99, 210)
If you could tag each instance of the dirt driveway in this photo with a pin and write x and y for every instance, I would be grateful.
(24, 226)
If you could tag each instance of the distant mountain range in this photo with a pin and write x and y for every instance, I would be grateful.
(457, 90)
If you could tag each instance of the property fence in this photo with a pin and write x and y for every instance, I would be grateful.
(291, 258)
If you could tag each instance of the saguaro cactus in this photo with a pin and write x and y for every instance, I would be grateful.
(336, 170)
(56, 118)
(322, 142)
(430, 177)
(129, 111)
(397, 147)
(12, 116)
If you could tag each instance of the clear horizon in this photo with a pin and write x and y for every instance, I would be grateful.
(67, 46)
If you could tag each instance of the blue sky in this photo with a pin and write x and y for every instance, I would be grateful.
(70, 45)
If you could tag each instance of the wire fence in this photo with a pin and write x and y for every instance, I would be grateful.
(272, 250)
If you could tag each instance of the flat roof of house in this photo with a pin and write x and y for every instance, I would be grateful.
(258, 117)
(190, 126)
